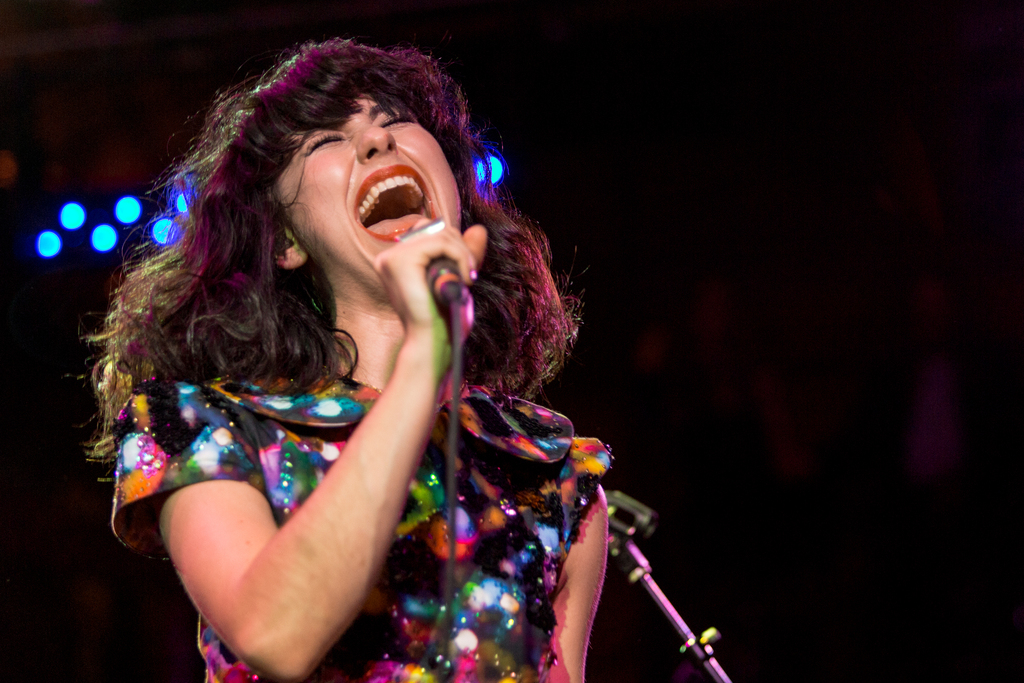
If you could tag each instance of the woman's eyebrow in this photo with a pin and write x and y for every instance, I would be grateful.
(375, 111)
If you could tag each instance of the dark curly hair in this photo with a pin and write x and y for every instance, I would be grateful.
(215, 304)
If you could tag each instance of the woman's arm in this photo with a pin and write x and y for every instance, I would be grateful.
(280, 597)
(576, 600)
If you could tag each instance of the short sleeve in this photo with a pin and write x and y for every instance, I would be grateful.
(170, 435)
(587, 461)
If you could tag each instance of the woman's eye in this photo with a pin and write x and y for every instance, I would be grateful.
(322, 140)
(396, 120)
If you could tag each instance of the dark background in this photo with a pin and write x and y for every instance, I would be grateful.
(798, 228)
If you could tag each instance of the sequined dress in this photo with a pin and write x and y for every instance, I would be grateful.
(524, 482)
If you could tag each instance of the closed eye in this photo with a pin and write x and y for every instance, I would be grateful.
(323, 140)
(396, 120)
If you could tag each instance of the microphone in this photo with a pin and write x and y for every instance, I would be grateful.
(442, 272)
(445, 282)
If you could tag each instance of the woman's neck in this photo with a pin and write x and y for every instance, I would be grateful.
(378, 334)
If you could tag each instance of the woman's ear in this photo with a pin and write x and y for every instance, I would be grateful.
(294, 256)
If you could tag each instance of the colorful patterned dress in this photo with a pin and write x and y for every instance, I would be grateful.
(524, 482)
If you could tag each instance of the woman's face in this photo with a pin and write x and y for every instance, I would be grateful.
(354, 190)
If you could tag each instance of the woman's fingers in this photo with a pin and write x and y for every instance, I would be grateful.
(403, 267)
(475, 238)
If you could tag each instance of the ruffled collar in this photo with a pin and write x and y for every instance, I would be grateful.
(516, 426)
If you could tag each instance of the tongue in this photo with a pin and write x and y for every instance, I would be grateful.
(393, 228)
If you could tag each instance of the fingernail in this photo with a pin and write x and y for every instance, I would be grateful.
(472, 276)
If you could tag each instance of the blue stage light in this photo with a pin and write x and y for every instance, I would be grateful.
(497, 168)
(494, 166)
(48, 244)
(72, 215)
(181, 203)
(128, 210)
(104, 237)
(162, 230)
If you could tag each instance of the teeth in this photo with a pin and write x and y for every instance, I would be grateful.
(371, 197)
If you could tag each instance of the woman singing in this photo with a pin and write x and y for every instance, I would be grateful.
(272, 386)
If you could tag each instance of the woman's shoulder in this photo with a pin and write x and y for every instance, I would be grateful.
(519, 427)
(338, 404)
(531, 431)
(170, 435)
(515, 425)
(173, 413)
(512, 424)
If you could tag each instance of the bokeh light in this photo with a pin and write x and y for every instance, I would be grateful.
(497, 168)
(72, 215)
(162, 230)
(128, 209)
(493, 165)
(104, 237)
(48, 244)
(181, 203)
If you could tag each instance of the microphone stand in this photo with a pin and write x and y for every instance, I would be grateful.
(636, 567)
(453, 296)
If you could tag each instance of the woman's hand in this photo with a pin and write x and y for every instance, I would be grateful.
(402, 269)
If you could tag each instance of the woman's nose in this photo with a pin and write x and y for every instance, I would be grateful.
(374, 140)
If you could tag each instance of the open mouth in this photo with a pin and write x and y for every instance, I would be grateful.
(391, 201)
